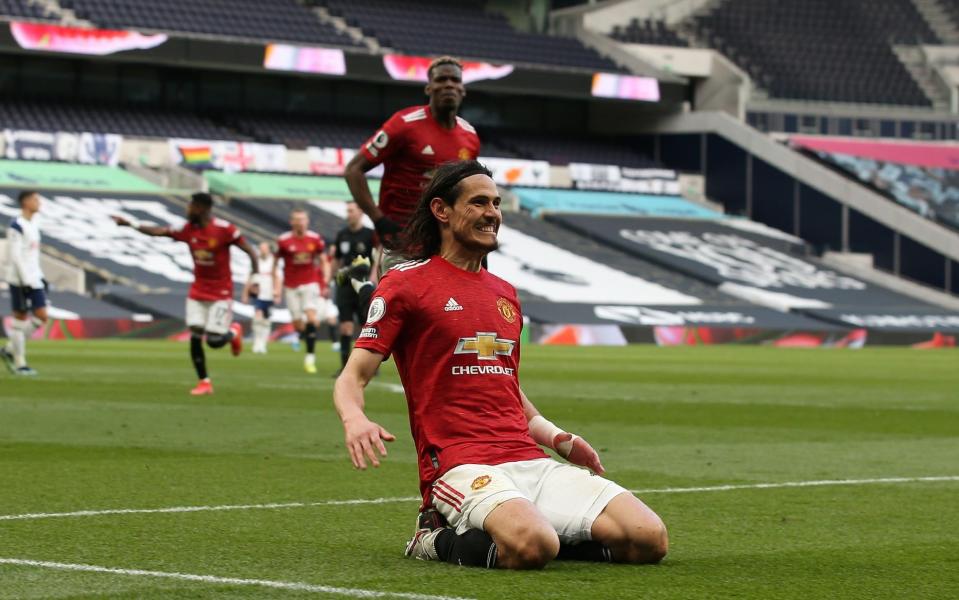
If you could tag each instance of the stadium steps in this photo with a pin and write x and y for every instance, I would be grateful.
(914, 61)
(938, 19)
(581, 245)
(340, 24)
(65, 15)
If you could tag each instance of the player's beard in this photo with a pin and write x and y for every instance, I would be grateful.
(474, 245)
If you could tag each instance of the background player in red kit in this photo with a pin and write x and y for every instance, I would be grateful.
(454, 330)
(209, 305)
(301, 251)
(410, 145)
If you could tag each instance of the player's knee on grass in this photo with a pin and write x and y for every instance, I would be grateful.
(632, 531)
(524, 538)
(530, 548)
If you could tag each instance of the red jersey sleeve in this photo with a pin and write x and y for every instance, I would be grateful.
(233, 235)
(386, 141)
(388, 313)
(178, 233)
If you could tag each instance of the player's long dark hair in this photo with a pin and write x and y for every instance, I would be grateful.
(421, 239)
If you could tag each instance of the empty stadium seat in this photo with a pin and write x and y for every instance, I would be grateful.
(279, 20)
(51, 116)
(641, 31)
(831, 50)
(462, 28)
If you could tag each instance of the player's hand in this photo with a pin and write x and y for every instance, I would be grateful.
(386, 227)
(245, 298)
(121, 221)
(363, 439)
(578, 451)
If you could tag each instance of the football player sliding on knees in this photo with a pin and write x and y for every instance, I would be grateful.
(491, 496)
(209, 304)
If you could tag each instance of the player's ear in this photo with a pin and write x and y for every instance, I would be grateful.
(440, 210)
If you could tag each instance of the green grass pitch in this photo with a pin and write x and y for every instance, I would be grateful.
(109, 425)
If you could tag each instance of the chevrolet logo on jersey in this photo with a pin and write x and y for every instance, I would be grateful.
(486, 345)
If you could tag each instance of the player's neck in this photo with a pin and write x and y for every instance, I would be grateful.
(446, 118)
(27, 214)
(462, 258)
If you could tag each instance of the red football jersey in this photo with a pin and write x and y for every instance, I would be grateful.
(210, 247)
(455, 338)
(411, 144)
(299, 256)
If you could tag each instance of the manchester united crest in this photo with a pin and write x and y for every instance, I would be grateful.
(506, 310)
(480, 482)
(464, 154)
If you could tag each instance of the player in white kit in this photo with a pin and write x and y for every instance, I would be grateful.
(27, 285)
(260, 288)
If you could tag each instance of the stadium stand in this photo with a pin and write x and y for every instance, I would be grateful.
(461, 28)
(931, 192)
(20, 8)
(647, 32)
(70, 116)
(825, 50)
(281, 20)
(300, 132)
(561, 149)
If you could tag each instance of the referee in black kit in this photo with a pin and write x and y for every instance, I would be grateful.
(354, 262)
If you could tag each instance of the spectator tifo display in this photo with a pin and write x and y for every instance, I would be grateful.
(86, 148)
(228, 156)
(624, 179)
(931, 192)
(746, 264)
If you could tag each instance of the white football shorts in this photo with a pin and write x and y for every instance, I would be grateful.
(212, 317)
(303, 298)
(569, 497)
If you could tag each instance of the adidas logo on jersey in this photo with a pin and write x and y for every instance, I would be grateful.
(428, 150)
(452, 305)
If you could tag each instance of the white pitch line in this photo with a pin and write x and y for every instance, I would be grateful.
(796, 484)
(674, 490)
(213, 508)
(280, 585)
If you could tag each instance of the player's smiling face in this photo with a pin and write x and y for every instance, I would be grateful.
(475, 218)
(446, 89)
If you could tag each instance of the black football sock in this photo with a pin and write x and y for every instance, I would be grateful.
(475, 548)
(345, 342)
(364, 295)
(196, 353)
(310, 336)
(590, 551)
(331, 330)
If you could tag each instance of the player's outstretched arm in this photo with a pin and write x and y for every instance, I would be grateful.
(568, 445)
(363, 437)
(153, 230)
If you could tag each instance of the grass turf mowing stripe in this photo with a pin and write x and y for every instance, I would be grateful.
(212, 508)
(281, 585)
(676, 490)
(798, 484)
